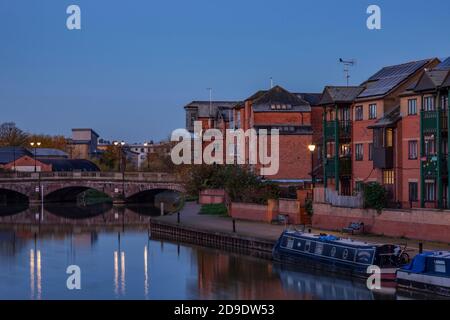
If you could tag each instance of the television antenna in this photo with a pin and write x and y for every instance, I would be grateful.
(347, 64)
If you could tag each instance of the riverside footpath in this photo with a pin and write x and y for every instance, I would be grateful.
(208, 229)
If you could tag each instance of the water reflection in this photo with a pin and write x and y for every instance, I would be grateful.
(119, 261)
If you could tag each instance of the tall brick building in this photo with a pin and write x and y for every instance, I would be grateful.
(290, 113)
(337, 126)
(392, 129)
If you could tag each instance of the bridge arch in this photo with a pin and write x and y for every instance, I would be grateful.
(69, 193)
(13, 194)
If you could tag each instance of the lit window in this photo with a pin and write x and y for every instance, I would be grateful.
(388, 177)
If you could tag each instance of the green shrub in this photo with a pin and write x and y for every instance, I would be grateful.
(216, 209)
(309, 207)
(239, 182)
(375, 196)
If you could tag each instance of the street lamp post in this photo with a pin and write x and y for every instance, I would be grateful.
(147, 152)
(311, 148)
(34, 145)
(122, 167)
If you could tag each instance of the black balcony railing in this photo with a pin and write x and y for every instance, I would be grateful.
(345, 167)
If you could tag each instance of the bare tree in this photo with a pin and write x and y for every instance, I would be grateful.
(11, 136)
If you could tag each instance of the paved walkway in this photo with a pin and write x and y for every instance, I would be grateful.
(189, 217)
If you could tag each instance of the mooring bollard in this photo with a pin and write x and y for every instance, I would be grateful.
(420, 247)
(234, 226)
(178, 217)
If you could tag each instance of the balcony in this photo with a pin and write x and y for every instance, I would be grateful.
(430, 167)
(383, 157)
(329, 130)
(429, 120)
(345, 167)
(345, 129)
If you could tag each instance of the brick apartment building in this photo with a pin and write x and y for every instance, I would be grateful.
(291, 114)
(392, 129)
(377, 134)
(423, 173)
(337, 126)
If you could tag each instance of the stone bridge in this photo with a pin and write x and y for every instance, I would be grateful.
(66, 186)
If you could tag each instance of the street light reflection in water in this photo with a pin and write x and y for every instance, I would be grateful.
(117, 260)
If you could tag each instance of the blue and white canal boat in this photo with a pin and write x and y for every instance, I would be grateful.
(429, 272)
(337, 254)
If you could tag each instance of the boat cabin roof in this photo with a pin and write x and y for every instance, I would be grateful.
(343, 241)
(439, 254)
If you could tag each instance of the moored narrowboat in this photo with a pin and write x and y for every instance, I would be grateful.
(335, 254)
(429, 272)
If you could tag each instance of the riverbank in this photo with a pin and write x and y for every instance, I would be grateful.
(222, 227)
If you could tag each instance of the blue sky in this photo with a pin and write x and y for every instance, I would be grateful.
(135, 64)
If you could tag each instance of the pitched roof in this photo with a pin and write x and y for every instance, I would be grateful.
(338, 94)
(256, 95)
(279, 95)
(312, 98)
(388, 78)
(48, 152)
(71, 164)
(388, 120)
(431, 79)
(446, 82)
(444, 65)
(9, 154)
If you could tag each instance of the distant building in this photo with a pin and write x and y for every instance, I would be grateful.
(28, 164)
(84, 144)
(47, 153)
(212, 114)
(290, 113)
(145, 150)
(9, 156)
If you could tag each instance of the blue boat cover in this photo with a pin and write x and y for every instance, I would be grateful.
(418, 264)
(328, 237)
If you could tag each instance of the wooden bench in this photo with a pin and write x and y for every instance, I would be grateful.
(354, 227)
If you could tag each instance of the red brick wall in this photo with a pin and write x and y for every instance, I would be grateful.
(422, 224)
(409, 169)
(364, 170)
(26, 161)
(210, 196)
(249, 211)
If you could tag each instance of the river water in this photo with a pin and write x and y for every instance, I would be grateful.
(118, 260)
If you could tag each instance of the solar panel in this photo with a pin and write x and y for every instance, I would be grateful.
(389, 77)
(444, 65)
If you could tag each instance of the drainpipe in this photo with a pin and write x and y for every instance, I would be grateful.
(448, 153)
(324, 149)
(439, 152)
(422, 154)
(336, 149)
